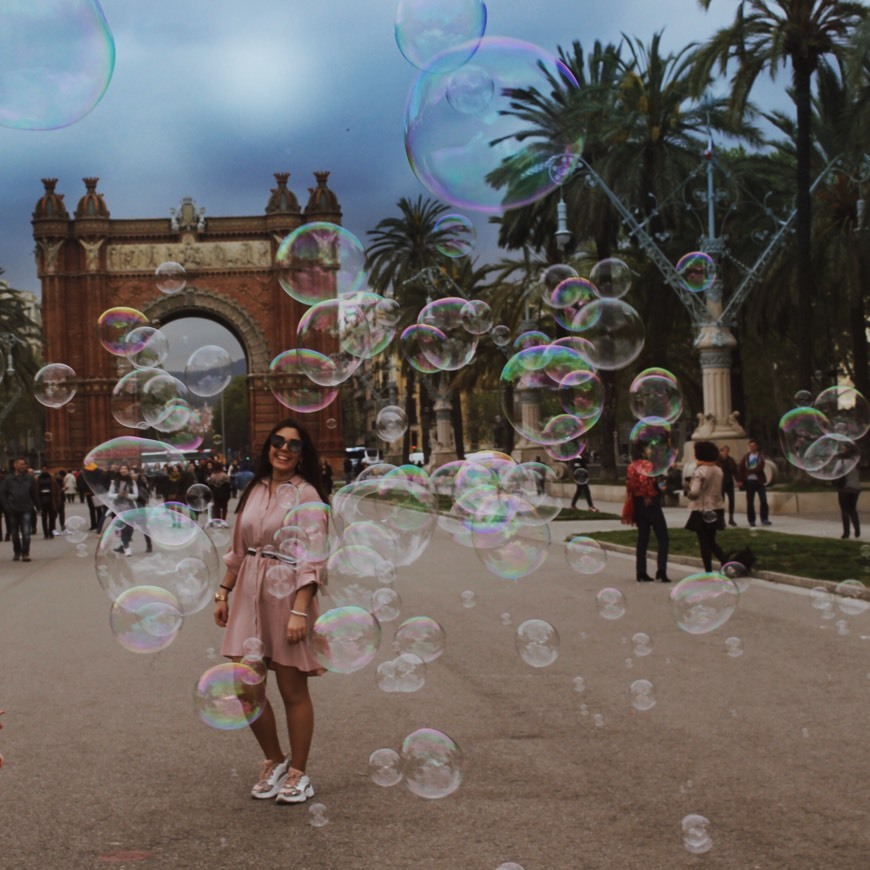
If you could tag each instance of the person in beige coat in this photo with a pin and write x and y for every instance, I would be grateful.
(706, 504)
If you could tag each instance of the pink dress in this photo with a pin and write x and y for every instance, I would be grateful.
(254, 612)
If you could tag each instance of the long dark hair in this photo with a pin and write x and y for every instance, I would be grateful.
(308, 466)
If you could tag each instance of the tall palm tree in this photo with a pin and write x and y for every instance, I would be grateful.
(764, 36)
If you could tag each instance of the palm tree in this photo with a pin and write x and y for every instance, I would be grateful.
(765, 35)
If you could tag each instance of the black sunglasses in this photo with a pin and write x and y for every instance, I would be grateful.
(294, 445)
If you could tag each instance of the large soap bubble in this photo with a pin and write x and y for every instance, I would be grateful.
(611, 277)
(615, 330)
(847, 410)
(446, 343)
(319, 261)
(54, 385)
(170, 278)
(208, 371)
(114, 326)
(701, 603)
(467, 150)
(145, 619)
(655, 393)
(425, 29)
(421, 636)
(454, 235)
(432, 763)
(149, 347)
(653, 439)
(336, 329)
(58, 60)
(291, 385)
(697, 271)
(537, 643)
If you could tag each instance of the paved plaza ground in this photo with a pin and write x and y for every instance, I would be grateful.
(107, 765)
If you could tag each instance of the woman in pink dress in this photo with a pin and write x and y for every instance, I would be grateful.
(248, 607)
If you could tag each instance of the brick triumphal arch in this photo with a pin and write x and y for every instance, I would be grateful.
(91, 262)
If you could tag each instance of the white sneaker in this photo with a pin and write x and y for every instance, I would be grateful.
(271, 779)
(128, 551)
(297, 788)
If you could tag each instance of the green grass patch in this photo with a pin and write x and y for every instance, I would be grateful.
(575, 514)
(800, 555)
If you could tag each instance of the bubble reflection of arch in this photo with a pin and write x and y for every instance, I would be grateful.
(193, 302)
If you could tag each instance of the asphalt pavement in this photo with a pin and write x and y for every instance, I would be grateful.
(759, 726)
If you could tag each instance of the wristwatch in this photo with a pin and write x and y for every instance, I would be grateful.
(221, 596)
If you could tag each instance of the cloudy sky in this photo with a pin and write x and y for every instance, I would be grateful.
(210, 97)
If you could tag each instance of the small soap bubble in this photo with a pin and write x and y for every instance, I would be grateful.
(629, 663)
(734, 647)
(331, 423)
(611, 603)
(385, 767)
(317, 816)
(510, 865)
(598, 719)
(842, 627)
(537, 643)
(696, 834)
(506, 619)
(642, 644)
(643, 695)
(468, 599)
(579, 685)
(170, 277)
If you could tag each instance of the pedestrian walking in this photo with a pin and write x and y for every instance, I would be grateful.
(19, 498)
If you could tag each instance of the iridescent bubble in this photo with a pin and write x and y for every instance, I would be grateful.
(229, 696)
(58, 61)
(253, 646)
(424, 29)
(537, 643)
(432, 763)
(697, 271)
(653, 438)
(643, 695)
(412, 347)
(701, 603)
(615, 330)
(338, 330)
(530, 338)
(611, 603)
(386, 604)
(513, 550)
(312, 518)
(446, 343)
(145, 619)
(345, 639)
(642, 644)
(391, 423)
(422, 636)
(799, 429)
(208, 371)
(831, 457)
(385, 767)
(170, 277)
(113, 327)
(803, 398)
(569, 299)
(320, 261)
(291, 385)
(477, 159)
(581, 393)
(406, 673)
(554, 275)
(149, 347)
(585, 555)
(54, 385)
(476, 317)
(655, 393)
(382, 316)
(696, 834)
(76, 529)
(847, 410)
(611, 277)
(454, 234)
(199, 497)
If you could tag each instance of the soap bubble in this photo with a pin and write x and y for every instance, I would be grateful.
(851, 597)
(472, 156)
(149, 347)
(500, 335)
(611, 603)
(643, 695)
(422, 636)
(113, 327)
(317, 815)
(612, 278)
(642, 644)
(424, 29)
(454, 234)
(404, 673)
(145, 619)
(337, 329)
(345, 639)
(615, 330)
(697, 271)
(653, 437)
(476, 317)
(320, 261)
(696, 834)
(54, 385)
(585, 555)
(76, 529)
(198, 497)
(229, 696)
(291, 384)
(170, 278)
(579, 685)
(469, 599)
(208, 371)
(432, 763)
(391, 423)
(445, 342)
(58, 61)
(738, 573)
(734, 647)
(655, 393)
(703, 602)
(847, 411)
(537, 643)
(385, 767)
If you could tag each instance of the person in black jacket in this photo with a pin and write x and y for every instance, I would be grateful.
(729, 472)
(19, 499)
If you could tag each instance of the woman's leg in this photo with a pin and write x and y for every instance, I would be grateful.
(706, 551)
(265, 730)
(643, 527)
(660, 527)
(293, 686)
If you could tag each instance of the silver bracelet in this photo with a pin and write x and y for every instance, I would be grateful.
(298, 613)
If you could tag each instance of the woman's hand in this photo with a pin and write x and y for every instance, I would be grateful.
(221, 613)
(297, 628)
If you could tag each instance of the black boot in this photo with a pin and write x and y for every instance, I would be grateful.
(644, 578)
(662, 575)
